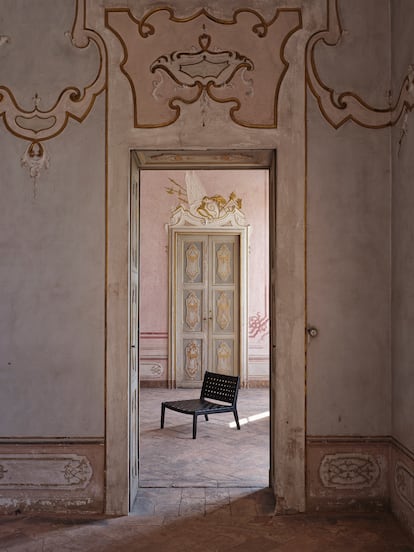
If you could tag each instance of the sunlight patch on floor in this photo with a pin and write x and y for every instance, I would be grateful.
(253, 418)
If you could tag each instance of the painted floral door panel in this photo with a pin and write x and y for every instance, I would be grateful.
(207, 313)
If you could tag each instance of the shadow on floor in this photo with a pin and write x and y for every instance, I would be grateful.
(230, 520)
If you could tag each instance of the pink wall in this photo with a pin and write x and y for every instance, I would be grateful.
(156, 206)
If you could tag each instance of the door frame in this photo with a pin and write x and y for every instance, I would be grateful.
(287, 243)
(174, 231)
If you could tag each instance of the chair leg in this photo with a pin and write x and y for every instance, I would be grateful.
(194, 426)
(206, 417)
(236, 417)
(162, 414)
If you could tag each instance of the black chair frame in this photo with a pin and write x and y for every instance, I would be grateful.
(217, 387)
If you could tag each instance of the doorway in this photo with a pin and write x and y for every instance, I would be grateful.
(287, 246)
(210, 244)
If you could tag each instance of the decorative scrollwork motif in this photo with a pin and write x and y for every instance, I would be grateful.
(338, 108)
(223, 310)
(204, 66)
(258, 325)
(223, 262)
(192, 359)
(192, 262)
(192, 315)
(349, 471)
(45, 471)
(38, 125)
(404, 484)
(146, 29)
(77, 471)
(224, 358)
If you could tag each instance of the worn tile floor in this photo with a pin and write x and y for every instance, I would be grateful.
(221, 456)
(218, 512)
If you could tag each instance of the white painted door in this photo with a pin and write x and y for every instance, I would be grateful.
(133, 340)
(207, 306)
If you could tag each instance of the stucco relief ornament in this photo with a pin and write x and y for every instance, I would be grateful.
(201, 209)
(36, 159)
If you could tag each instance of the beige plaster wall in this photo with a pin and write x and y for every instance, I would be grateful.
(52, 246)
(348, 239)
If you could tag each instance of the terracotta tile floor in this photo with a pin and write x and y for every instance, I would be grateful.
(210, 496)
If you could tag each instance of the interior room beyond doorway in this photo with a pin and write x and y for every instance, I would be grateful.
(231, 458)
(162, 192)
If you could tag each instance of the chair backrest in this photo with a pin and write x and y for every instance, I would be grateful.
(220, 387)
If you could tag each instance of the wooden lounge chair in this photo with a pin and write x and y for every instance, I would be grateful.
(218, 387)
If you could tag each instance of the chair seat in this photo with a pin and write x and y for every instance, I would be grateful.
(198, 406)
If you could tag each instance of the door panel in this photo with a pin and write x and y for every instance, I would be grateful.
(207, 306)
(224, 291)
(191, 300)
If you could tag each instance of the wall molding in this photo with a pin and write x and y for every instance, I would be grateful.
(52, 440)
